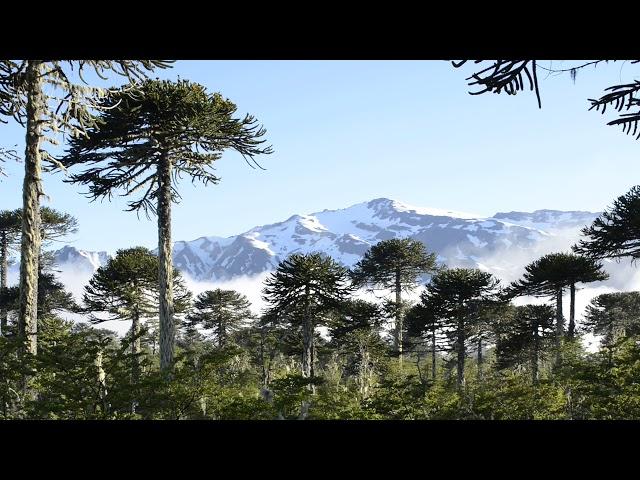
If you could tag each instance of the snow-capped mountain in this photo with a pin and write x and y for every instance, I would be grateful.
(460, 239)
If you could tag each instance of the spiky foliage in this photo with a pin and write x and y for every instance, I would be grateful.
(126, 288)
(42, 97)
(551, 274)
(462, 295)
(138, 125)
(614, 316)
(355, 334)
(222, 312)
(6, 154)
(505, 76)
(523, 337)
(544, 276)
(55, 225)
(425, 328)
(615, 233)
(302, 290)
(145, 140)
(622, 97)
(395, 264)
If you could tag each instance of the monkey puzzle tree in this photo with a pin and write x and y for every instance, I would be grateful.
(355, 332)
(126, 288)
(462, 296)
(551, 274)
(616, 232)
(304, 288)
(221, 311)
(41, 96)
(10, 224)
(424, 320)
(613, 316)
(522, 337)
(145, 140)
(395, 264)
(513, 76)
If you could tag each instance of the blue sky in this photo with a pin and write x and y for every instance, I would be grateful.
(350, 131)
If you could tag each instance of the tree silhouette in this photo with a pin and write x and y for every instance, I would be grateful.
(395, 264)
(145, 140)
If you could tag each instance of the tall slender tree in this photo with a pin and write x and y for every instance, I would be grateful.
(43, 98)
(551, 275)
(126, 288)
(462, 295)
(398, 265)
(145, 140)
(523, 336)
(303, 289)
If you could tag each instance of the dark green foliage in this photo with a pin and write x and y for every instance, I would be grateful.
(524, 337)
(127, 286)
(614, 316)
(615, 233)
(394, 261)
(222, 312)
(138, 122)
(507, 76)
(548, 274)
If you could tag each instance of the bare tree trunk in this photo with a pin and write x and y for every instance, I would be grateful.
(307, 337)
(480, 359)
(559, 325)
(31, 191)
(102, 382)
(534, 357)
(433, 356)
(165, 272)
(135, 360)
(460, 351)
(398, 339)
(572, 311)
(4, 265)
(135, 349)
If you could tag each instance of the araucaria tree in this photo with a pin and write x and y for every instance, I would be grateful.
(223, 312)
(304, 288)
(463, 296)
(145, 140)
(523, 336)
(551, 274)
(396, 265)
(126, 288)
(41, 96)
(615, 233)
(10, 224)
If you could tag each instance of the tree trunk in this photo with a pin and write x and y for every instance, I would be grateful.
(31, 191)
(480, 359)
(460, 351)
(433, 356)
(135, 360)
(165, 272)
(534, 356)
(572, 311)
(559, 325)
(135, 348)
(398, 339)
(102, 383)
(307, 337)
(4, 265)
